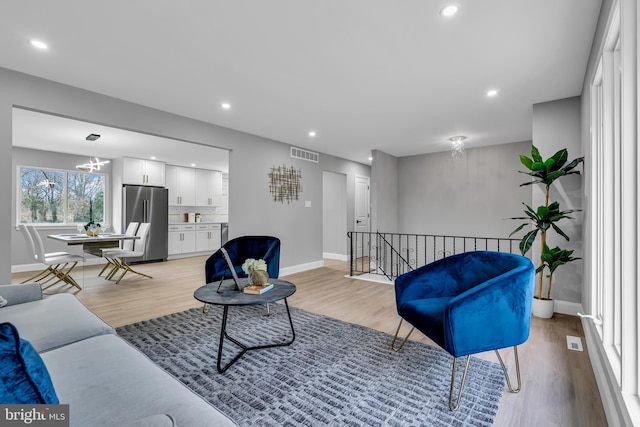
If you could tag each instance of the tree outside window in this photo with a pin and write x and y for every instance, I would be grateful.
(60, 197)
(86, 197)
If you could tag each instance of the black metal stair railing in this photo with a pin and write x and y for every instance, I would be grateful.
(393, 254)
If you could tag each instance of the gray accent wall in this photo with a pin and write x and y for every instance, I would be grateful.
(470, 196)
(251, 210)
(557, 125)
(384, 192)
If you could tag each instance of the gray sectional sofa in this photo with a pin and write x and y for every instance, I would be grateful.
(105, 381)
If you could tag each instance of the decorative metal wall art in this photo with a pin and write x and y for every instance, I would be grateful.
(284, 183)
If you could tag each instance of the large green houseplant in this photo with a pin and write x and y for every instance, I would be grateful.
(546, 216)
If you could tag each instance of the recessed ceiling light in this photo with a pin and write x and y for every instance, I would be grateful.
(153, 157)
(312, 133)
(449, 10)
(225, 105)
(370, 158)
(39, 44)
(492, 92)
(193, 164)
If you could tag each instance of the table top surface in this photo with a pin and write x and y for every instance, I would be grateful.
(83, 238)
(229, 294)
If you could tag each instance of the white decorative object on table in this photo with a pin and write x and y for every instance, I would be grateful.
(256, 270)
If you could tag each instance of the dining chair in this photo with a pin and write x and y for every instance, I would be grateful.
(118, 255)
(56, 262)
(41, 275)
(126, 245)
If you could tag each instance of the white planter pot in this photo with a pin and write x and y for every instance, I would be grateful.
(542, 308)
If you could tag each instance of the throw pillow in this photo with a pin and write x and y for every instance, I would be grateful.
(23, 377)
(3, 301)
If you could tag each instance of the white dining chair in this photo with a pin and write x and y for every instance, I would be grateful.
(41, 275)
(118, 255)
(127, 245)
(56, 262)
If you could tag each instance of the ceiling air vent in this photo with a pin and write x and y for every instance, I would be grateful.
(309, 156)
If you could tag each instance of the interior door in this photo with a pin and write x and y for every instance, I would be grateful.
(362, 215)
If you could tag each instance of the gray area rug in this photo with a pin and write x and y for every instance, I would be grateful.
(335, 373)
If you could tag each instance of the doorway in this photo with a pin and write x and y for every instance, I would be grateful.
(334, 216)
(362, 213)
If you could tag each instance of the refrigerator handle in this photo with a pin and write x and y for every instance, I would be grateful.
(145, 213)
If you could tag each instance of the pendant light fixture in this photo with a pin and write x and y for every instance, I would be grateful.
(457, 146)
(94, 163)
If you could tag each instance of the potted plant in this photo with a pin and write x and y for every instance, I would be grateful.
(544, 218)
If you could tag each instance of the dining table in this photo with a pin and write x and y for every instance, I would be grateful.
(93, 244)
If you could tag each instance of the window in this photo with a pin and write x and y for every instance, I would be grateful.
(48, 196)
(613, 210)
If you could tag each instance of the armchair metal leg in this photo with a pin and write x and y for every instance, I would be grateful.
(205, 308)
(506, 375)
(393, 343)
(455, 407)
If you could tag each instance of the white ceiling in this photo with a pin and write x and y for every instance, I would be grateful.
(53, 133)
(364, 74)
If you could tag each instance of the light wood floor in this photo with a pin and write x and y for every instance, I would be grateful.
(559, 387)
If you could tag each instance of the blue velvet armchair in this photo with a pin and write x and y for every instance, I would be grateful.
(469, 303)
(240, 249)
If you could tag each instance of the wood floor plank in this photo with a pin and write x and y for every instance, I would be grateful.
(559, 387)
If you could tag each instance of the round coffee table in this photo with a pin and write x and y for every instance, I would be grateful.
(226, 294)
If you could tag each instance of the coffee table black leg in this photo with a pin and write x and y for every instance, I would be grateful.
(244, 348)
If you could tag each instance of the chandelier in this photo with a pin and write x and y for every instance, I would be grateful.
(94, 163)
(457, 146)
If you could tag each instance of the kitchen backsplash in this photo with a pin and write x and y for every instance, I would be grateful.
(207, 214)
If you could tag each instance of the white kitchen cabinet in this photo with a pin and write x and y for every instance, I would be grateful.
(182, 239)
(208, 238)
(208, 187)
(142, 172)
(181, 183)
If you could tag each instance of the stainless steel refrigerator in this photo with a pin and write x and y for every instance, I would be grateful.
(148, 204)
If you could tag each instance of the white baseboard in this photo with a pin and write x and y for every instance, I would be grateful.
(613, 402)
(300, 268)
(566, 307)
(188, 255)
(339, 257)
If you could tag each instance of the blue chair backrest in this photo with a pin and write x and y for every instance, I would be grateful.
(240, 249)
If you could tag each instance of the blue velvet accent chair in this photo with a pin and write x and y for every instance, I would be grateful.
(239, 250)
(469, 303)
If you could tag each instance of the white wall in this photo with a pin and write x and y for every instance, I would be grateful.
(251, 210)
